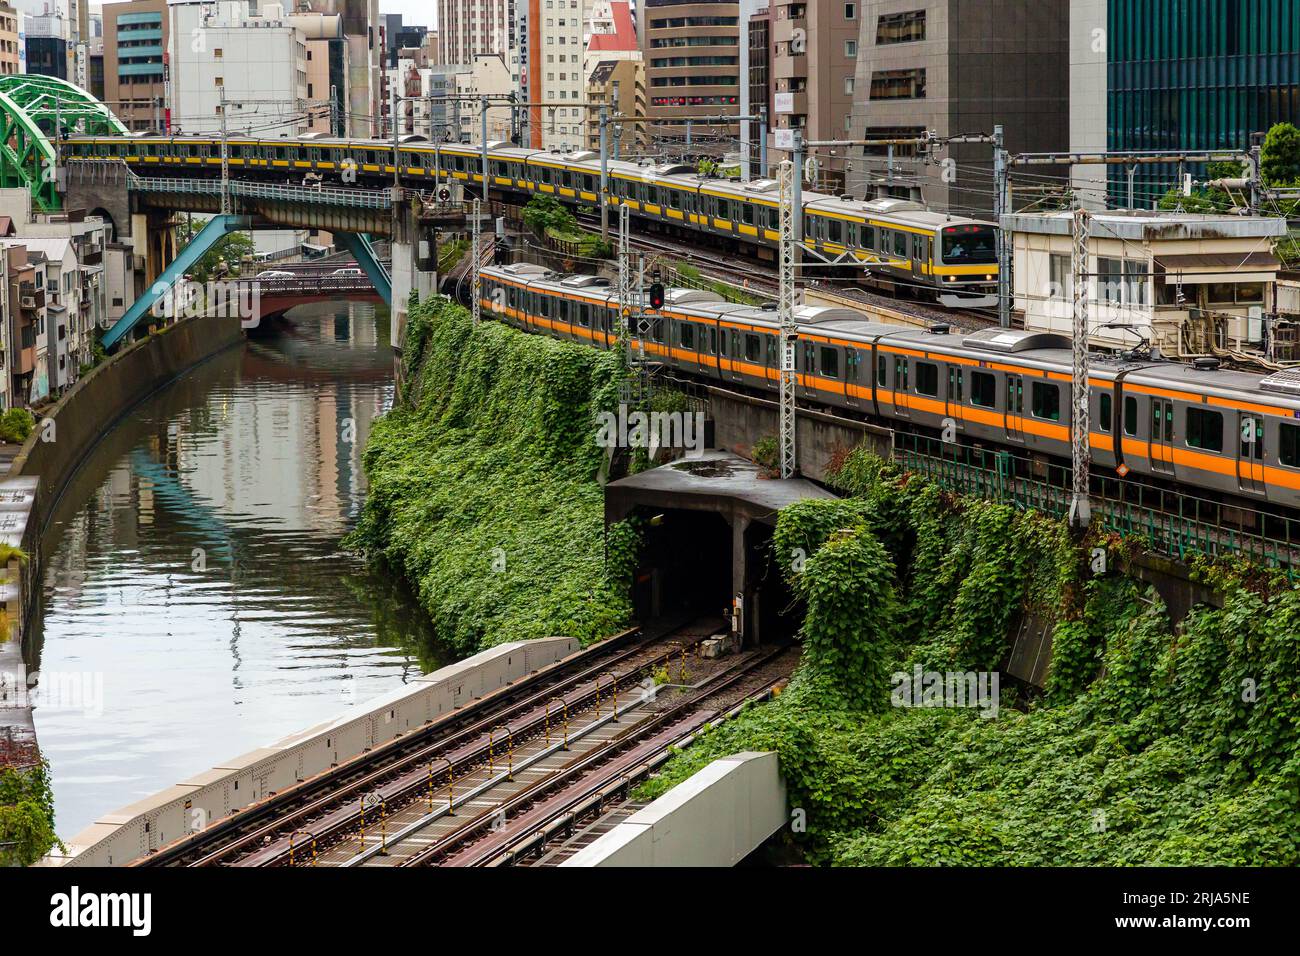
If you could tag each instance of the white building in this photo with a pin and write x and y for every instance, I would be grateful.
(1186, 284)
(218, 47)
(254, 67)
(489, 76)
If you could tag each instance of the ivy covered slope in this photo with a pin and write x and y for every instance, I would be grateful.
(1150, 746)
(483, 482)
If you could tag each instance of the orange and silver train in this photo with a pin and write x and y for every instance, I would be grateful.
(1233, 433)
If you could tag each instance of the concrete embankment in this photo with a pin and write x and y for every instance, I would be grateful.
(42, 469)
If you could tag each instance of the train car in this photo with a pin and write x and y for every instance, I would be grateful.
(892, 244)
(1226, 433)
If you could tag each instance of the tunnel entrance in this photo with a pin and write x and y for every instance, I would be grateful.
(707, 528)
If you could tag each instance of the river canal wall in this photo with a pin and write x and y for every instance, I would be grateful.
(45, 464)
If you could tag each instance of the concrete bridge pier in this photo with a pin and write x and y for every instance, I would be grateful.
(414, 267)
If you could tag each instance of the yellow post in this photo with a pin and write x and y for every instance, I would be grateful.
(383, 828)
(451, 788)
(510, 750)
(598, 677)
(564, 704)
(613, 688)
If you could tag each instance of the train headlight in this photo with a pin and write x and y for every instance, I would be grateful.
(950, 278)
(989, 277)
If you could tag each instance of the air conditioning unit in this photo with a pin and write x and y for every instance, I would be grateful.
(29, 302)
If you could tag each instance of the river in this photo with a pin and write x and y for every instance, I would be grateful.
(195, 602)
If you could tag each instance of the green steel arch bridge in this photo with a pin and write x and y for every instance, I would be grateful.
(39, 113)
(35, 110)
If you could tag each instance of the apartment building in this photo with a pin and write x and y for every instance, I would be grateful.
(47, 44)
(813, 68)
(692, 67)
(615, 73)
(489, 75)
(135, 35)
(11, 60)
(26, 378)
(950, 67)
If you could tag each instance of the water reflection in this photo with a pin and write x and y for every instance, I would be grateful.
(193, 570)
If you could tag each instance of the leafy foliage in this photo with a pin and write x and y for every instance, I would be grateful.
(26, 815)
(1151, 746)
(16, 425)
(483, 488)
(224, 255)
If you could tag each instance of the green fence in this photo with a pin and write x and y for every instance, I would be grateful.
(1169, 523)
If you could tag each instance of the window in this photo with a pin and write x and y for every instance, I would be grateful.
(898, 84)
(687, 335)
(1060, 278)
(753, 348)
(1107, 409)
(901, 27)
(882, 371)
(927, 378)
(1288, 445)
(851, 48)
(1136, 285)
(850, 11)
(983, 389)
(1110, 281)
(1046, 400)
(830, 362)
(1204, 429)
(848, 87)
(1130, 416)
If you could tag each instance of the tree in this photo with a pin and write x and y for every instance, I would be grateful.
(230, 249)
(1280, 158)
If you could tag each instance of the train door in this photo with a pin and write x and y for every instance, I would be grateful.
(1250, 463)
(853, 384)
(902, 404)
(956, 396)
(1016, 408)
(920, 257)
(1161, 440)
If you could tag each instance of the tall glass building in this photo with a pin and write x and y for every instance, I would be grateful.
(1185, 74)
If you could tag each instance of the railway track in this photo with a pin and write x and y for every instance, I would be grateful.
(510, 808)
(762, 280)
(324, 806)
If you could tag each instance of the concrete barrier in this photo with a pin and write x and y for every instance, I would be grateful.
(716, 818)
(191, 805)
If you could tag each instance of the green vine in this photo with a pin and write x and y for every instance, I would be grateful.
(483, 483)
(1150, 745)
(26, 815)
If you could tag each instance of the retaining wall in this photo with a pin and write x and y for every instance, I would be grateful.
(715, 818)
(191, 805)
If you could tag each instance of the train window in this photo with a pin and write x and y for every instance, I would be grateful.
(1162, 412)
(773, 356)
(1107, 410)
(868, 237)
(1204, 429)
(713, 341)
(584, 315)
(835, 231)
(927, 378)
(1046, 400)
(956, 388)
(900, 244)
(753, 348)
(900, 374)
(1130, 416)
(1288, 445)
(983, 389)
(1252, 437)
(830, 359)
(657, 330)
(722, 343)
(747, 213)
(686, 335)
(882, 371)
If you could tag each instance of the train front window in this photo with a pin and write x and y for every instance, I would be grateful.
(970, 245)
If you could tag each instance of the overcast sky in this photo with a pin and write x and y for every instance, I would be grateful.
(421, 13)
